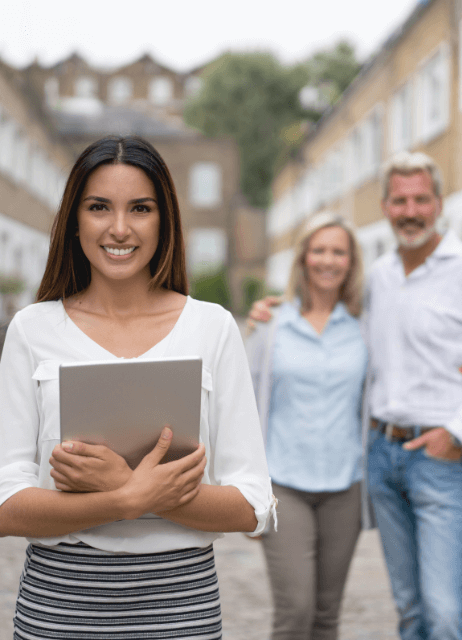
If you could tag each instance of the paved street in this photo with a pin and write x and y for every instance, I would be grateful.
(368, 612)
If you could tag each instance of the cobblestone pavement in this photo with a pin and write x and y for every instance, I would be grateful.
(368, 612)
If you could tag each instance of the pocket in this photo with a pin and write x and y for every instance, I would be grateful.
(47, 377)
(443, 460)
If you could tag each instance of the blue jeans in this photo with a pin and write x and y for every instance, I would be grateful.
(418, 504)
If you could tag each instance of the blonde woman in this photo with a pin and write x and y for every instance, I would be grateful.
(308, 366)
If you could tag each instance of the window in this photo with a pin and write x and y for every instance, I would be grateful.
(401, 118)
(359, 154)
(7, 137)
(278, 269)
(161, 91)
(20, 168)
(376, 139)
(86, 87)
(433, 94)
(207, 249)
(51, 90)
(120, 90)
(37, 176)
(205, 185)
(192, 85)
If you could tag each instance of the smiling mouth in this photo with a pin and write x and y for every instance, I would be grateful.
(411, 224)
(119, 252)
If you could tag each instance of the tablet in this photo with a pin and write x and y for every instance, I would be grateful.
(125, 404)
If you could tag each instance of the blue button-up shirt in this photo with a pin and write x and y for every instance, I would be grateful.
(314, 432)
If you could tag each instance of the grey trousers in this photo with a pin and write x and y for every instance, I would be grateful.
(308, 560)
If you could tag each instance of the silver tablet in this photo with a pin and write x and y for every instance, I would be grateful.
(125, 404)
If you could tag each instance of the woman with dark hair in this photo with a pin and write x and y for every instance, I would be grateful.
(116, 552)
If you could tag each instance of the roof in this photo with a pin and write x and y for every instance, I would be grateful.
(373, 63)
(117, 121)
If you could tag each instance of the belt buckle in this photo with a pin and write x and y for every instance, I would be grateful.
(389, 431)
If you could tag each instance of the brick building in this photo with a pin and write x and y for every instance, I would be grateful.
(409, 96)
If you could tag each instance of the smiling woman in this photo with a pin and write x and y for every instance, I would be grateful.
(116, 551)
(308, 365)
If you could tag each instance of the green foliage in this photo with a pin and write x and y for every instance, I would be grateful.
(252, 98)
(337, 67)
(11, 285)
(212, 287)
(252, 289)
(249, 97)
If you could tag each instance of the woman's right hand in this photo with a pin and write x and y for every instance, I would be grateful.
(154, 487)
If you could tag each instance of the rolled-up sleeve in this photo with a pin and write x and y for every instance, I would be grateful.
(236, 439)
(19, 416)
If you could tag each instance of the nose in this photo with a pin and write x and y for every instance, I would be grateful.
(120, 228)
(410, 209)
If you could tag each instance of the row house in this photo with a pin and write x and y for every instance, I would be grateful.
(33, 169)
(81, 104)
(409, 96)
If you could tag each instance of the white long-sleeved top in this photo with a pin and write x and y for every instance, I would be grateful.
(414, 327)
(42, 336)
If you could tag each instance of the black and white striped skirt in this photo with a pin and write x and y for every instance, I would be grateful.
(75, 592)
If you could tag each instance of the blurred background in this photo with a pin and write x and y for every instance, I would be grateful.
(264, 117)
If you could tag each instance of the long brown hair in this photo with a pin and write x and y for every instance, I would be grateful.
(67, 271)
(351, 291)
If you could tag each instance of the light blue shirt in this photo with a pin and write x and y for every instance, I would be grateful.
(314, 426)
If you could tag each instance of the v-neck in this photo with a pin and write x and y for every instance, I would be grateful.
(79, 340)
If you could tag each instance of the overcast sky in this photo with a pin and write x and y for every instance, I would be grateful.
(184, 34)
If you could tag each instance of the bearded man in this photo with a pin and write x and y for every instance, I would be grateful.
(413, 324)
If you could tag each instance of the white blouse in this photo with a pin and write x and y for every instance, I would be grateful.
(42, 336)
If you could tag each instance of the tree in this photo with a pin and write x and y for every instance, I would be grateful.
(337, 67)
(255, 100)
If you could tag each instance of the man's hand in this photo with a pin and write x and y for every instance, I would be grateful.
(86, 468)
(261, 310)
(437, 443)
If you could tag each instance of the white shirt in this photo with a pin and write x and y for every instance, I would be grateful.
(414, 328)
(42, 336)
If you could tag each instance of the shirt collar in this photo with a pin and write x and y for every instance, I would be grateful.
(290, 312)
(449, 246)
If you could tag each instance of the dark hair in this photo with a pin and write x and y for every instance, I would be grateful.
(67, 271)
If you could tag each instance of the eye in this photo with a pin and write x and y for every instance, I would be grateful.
(97, 206)
(142, 208)
(340, 252)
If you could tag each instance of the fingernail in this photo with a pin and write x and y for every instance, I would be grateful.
(167, 433)
(68, 446)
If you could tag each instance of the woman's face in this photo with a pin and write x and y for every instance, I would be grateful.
(328, 259)
(118, 222)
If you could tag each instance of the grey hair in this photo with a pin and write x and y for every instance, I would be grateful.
(351, 292)
(405, 163)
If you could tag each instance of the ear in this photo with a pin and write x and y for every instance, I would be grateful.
(383, 204)
(439, 206)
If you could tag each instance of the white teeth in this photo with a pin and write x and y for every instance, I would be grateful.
(119, 252)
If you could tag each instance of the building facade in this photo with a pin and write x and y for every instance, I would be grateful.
(33, 168)
(82, 103)
(409, 96)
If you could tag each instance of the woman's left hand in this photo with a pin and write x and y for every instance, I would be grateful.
(87, 468)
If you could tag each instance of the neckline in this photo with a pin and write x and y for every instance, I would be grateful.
(79, 340)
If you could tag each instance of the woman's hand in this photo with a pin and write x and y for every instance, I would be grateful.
(86, 468)
(154, 488)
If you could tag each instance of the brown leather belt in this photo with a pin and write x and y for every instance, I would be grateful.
(395, 433)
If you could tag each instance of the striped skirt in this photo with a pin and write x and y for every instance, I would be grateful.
(75, 592)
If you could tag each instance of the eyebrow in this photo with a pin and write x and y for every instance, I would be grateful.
(107, 201)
